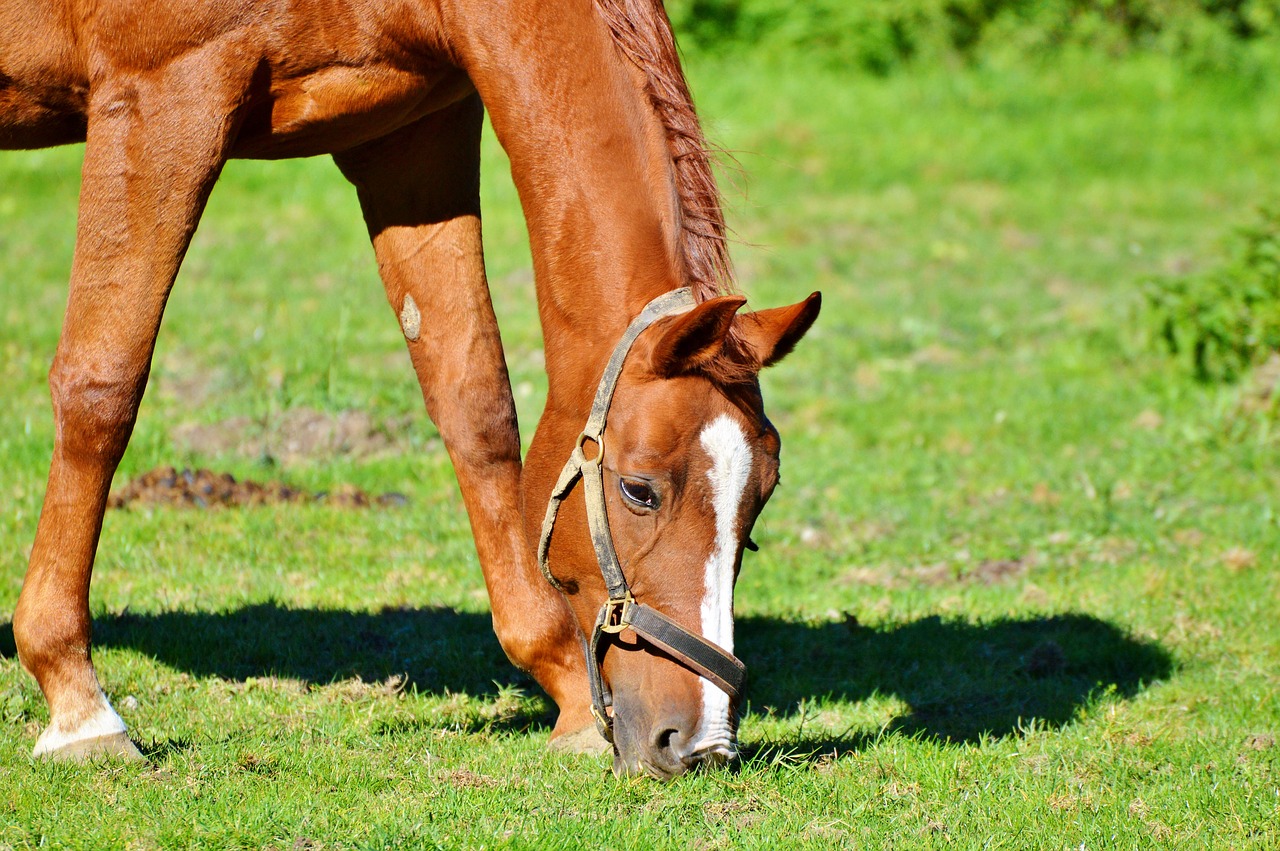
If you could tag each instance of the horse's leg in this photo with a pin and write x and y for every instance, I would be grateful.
(154, 148)
(419, 189)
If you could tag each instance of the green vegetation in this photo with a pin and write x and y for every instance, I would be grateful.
(1228, 317)
(1018, 589)
(1235, 35)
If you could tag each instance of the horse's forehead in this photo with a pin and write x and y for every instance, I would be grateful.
(669, 416)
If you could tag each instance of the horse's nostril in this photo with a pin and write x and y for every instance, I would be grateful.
(671, 750)
(663, 739)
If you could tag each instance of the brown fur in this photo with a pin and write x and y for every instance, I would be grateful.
(620, 204)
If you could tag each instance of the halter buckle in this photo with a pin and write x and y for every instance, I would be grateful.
(615, 618)
(603, 723)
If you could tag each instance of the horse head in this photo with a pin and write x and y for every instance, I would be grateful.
(685, 465)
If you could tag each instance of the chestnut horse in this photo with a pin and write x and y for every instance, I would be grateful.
(588, 100)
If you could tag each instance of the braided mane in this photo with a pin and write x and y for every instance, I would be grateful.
(643, 33)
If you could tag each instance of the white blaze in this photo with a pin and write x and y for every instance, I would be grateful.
(726, 443)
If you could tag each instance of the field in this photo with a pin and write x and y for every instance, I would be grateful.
(1018, 589)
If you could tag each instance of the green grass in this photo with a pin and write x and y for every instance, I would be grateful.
(1018, 589)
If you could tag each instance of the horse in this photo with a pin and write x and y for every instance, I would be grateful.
(588, 99)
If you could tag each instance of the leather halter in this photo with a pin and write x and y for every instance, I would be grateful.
(621, 610)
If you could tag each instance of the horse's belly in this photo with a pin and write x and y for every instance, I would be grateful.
(338, 108)
(30, 119)
(42, 86)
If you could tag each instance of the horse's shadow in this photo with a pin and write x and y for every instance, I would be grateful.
(961, 681)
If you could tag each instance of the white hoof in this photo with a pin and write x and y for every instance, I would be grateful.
(101, 733)
(113, 746)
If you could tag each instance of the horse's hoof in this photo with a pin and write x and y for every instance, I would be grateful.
(115, 746)
(587, 740)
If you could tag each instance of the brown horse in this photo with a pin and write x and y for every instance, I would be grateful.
(588, 100)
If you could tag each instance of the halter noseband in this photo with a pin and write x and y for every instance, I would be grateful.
(621, 610)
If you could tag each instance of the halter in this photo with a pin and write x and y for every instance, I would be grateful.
(621, 610)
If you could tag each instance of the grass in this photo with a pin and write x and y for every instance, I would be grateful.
(1018, 589)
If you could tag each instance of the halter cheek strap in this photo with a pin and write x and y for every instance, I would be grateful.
(621, 610)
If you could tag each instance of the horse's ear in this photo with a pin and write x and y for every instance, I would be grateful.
(772, 334)
(693, 339)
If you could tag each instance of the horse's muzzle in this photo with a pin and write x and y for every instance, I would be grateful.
(665, 752)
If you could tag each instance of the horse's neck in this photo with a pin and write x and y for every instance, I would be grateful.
(590, 159)
(605, 239)
(601, 252)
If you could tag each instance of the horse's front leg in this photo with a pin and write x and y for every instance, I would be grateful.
(419, 189)
(154, 148)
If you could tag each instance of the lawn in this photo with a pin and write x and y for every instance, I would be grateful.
(1018, 589)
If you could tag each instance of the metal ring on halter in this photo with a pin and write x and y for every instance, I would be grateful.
(598, 440)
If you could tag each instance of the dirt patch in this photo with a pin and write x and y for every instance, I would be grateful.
(1260, 742)
(1148, 420)
(933, 574)
(356, 690)
(742, 814)
(298, 435)
(1238, 559)
(464, 779)
(1188, 537)
(985, 573)
(939, 574)
(995, 572)
(207, 489)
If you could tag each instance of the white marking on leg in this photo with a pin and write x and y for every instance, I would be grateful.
(410, 319)
(95, 720)
(726, 443)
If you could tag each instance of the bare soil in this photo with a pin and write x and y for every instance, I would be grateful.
(298, 435)
(202, 488)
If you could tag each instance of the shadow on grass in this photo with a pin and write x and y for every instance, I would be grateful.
(436, 650)
(961, 680)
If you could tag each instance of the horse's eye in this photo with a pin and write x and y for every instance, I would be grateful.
(638, 493)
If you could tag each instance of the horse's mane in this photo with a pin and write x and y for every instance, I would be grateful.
(643, 33)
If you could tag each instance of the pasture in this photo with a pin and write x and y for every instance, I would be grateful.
(1018, 588)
